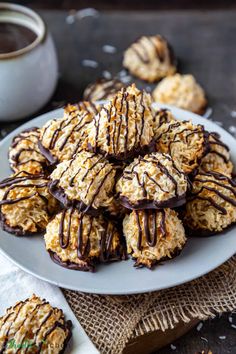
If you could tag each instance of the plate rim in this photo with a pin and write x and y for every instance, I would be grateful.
(151, 288)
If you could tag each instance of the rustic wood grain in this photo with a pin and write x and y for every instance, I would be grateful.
(150, 342)
(205, 46)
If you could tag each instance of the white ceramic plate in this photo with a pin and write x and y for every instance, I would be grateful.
(200, 256)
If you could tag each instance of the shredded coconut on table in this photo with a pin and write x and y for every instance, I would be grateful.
(204, 339)
(106, 74)
(208, 112)
(90, 63)
(125, 79)
(110, 49)
(4, 132)
(199, 327)
(218, 123)
(232, 130)
(70, 19)
(122, 73)
(58, 103)
(148, 88)
(87, 12)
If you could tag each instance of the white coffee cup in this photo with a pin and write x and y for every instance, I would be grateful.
(28, 76)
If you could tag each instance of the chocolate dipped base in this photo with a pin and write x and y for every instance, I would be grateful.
(171, 203)
(174, 254)
(17, 231)
(127, 156)
(68, 326)
(205, 233)
(60, 195)
(89, 267)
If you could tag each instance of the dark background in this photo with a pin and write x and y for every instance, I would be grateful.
(204, 36)
(138, 5)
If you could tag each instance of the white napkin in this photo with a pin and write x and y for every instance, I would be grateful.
(16, 285)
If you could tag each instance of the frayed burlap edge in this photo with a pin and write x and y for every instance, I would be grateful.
(110, 321)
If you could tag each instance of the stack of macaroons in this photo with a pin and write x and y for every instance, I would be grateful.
(123, 163)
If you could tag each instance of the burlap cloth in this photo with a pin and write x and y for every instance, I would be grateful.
(110, 321)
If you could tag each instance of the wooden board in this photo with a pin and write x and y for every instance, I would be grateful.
(153, 341)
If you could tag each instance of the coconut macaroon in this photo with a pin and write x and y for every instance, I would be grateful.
(34, 326)
(116, 210)
(218, 158)
(160, 117)
(150, 58)
(124, 126)
(181, 91)
(153, 181)
(61, 138)
(81, 107)
(212, 204)
(26, 205)
(78, 241)
(102, 89)
(24, 153)
(86, 181)
(153, 235)
(184, 142)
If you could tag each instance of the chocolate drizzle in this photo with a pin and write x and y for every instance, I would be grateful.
(183, 136)
(148, 230)
(15, 182)
(176, 124)
(162, 115)
(47, 154)
(102, 89)
(160, 51)
(141, 51)
(216, 143)
(163, 51)
(219, 180)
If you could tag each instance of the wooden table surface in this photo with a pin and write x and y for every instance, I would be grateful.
(205, 45)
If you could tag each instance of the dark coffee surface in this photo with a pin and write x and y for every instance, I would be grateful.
(14, 37)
